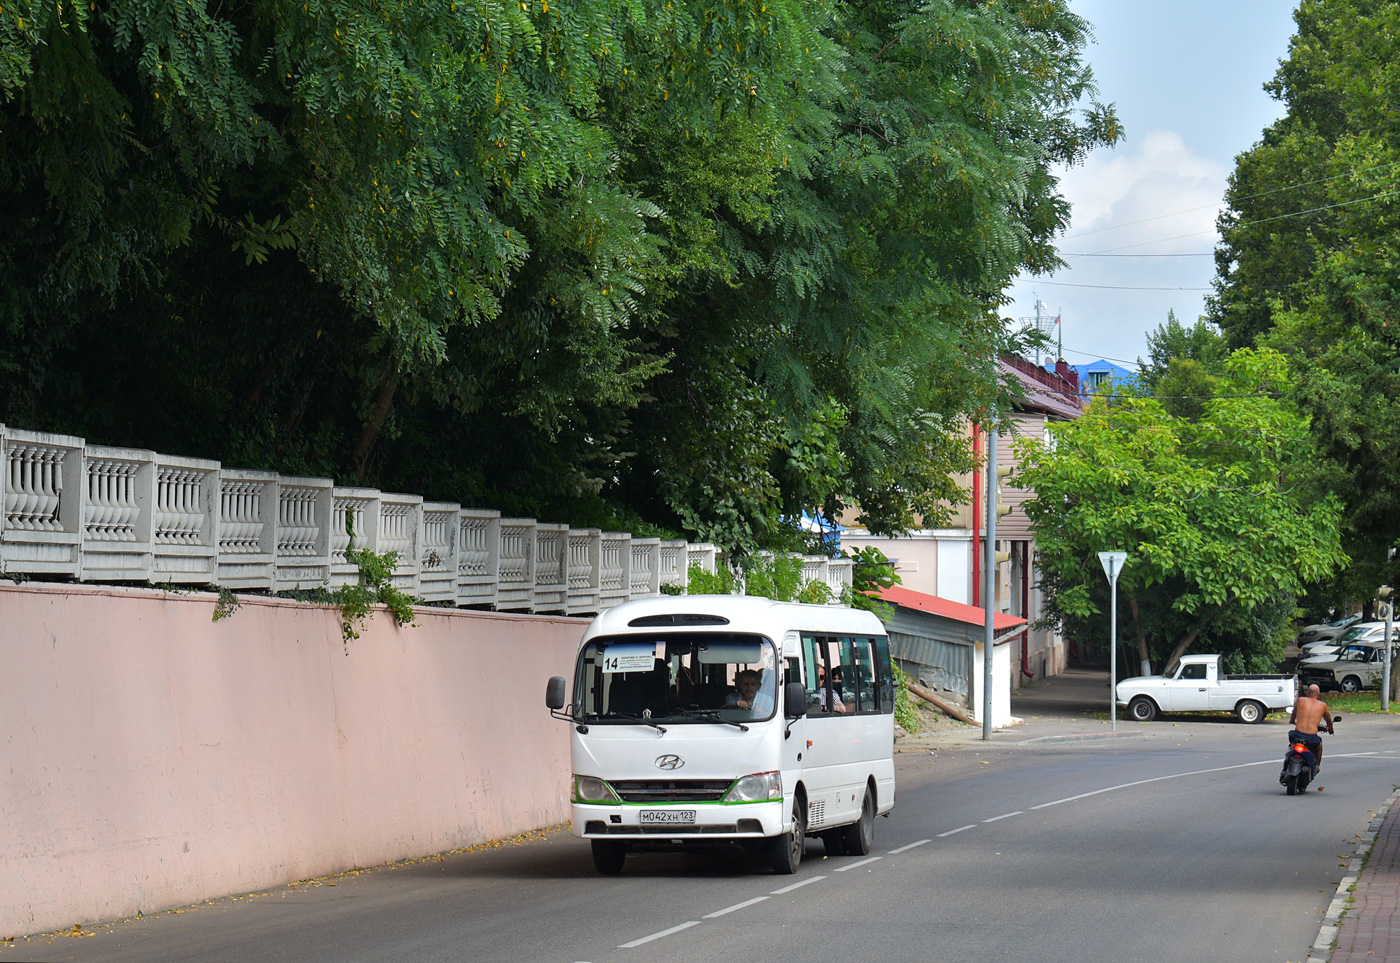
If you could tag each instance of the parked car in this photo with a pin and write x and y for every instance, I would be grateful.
(1326, 630)
(1356, 668)
(1322, 649)
(1197, 685)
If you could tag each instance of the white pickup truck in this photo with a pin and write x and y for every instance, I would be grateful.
(1196, 685)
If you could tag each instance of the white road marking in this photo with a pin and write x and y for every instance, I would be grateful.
(1019, 812)
(958, 830)
(789, 889)
(905, 849)
(736, 906)
(1179, 775)
(863, 862)
(657, 936)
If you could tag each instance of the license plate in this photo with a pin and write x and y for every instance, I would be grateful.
(667, 817)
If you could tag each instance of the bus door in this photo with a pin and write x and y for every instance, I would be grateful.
(828, 765)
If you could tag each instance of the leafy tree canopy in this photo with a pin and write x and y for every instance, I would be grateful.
(1308, 263)
(688, 265)
(1216, 513)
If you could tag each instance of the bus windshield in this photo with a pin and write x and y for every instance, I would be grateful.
(695, 677)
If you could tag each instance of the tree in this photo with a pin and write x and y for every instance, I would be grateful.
(1307, 263)
(693, 264)
(1221, 528)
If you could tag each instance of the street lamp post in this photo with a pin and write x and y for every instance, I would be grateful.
(1112, 566)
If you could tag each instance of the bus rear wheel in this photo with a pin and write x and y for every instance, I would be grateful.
(608, 856)
(785, 852)
(860, 835)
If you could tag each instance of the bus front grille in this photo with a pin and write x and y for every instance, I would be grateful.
(670, 790)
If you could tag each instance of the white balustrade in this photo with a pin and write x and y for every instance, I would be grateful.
(646, 568)
(354, 525)
(186, 524)
(303, 533)
(585, 570)
(478, 556)
(674, 564)
(839, 574)
(400, 532)
(516, 591)
(42, 488)
(120, 514)
(247, 529)
(437, 564)
(551, 568)
(615, 569)
(705, 555)
(118, 492)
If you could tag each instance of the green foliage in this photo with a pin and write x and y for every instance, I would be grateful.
(719, 582)
(1218, 518)
(1308, 263)
(871, 572)
(228, 603)
(904, 712)
(699, 263)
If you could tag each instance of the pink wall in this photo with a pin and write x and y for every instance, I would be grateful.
(150, 757)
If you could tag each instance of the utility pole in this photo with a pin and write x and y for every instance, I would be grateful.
(989, 582)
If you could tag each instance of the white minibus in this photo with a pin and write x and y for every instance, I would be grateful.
(714, 720)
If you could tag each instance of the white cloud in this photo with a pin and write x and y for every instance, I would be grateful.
(1154, 196)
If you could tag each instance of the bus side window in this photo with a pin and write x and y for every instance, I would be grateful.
(867, 699)
(884, 675)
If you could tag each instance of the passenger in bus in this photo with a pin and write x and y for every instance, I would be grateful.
(749, 695)
(830, 694)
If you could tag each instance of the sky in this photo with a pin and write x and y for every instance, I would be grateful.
(1187, 80)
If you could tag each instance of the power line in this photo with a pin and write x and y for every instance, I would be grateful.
(1203, 254)
(1247, 197)
(1115, 287)
(1262, 220)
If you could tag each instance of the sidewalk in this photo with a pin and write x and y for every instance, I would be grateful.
(1070, 707)
(1363, 921)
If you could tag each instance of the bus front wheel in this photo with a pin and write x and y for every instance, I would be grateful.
(608, 856)
(786, 850)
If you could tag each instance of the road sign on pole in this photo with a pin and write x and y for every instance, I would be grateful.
(1112, 566)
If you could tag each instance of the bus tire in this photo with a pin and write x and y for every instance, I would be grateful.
(785, 851)
(835, 842)
(860, 835)
(608, 856)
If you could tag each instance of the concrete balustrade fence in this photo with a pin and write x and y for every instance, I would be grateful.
(97, 514)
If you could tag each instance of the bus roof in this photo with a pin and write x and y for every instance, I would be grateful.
(743, 613)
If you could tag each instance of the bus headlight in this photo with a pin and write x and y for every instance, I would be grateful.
(760, 787)
(593, 789)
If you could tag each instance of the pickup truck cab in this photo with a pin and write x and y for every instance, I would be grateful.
(1195, 685)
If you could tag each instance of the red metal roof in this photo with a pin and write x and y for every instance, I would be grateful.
(949, 609)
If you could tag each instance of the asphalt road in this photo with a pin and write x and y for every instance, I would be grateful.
(1179, 845)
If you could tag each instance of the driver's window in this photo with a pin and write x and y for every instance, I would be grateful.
(1193, 672)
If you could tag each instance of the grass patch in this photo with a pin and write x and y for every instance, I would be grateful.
(1362, 703)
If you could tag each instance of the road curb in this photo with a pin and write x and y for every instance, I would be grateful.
(1082, 737)
(1326, 941)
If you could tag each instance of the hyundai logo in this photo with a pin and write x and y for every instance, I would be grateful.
(669, 762)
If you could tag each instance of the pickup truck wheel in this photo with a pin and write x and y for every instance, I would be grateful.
(1142, 709)
(1351, 684)
(1250, 712)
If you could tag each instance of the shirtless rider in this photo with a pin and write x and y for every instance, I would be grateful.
(1309, 712)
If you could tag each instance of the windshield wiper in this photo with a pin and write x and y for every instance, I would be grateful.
(645, 722)
(713, 715)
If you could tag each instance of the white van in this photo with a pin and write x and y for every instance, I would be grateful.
(708, 720)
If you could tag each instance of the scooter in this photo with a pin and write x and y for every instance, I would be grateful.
(1298, 767)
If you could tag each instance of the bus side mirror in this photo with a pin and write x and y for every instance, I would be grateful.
(554, 692)
(794, 700)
